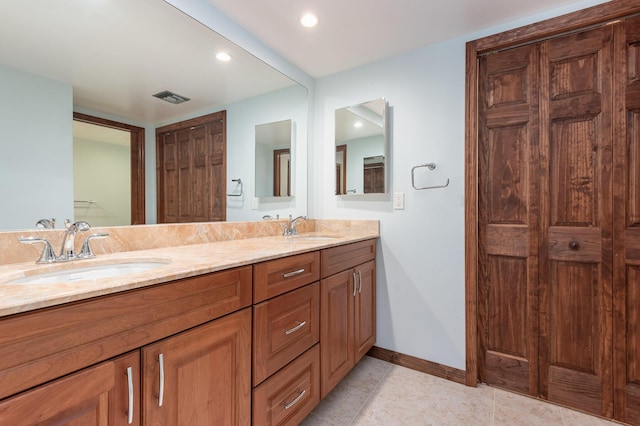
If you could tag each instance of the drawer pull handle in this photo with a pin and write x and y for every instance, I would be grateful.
(161, 393)
(293, 274)
(574, 245)
(130, 387)
(360, 282)
(288, 405)
(355, 284)
(296, 328)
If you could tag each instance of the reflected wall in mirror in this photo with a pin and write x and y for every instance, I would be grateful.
(61, 61)
(273, 150)
(362, 147)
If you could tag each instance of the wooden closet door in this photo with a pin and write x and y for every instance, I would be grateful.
(627, 226)
(508, 219)
(576, 221)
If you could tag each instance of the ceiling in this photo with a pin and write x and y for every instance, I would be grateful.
(118, 53)
(351, 33)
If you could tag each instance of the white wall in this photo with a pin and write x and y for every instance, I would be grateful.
(420, 276)
(102, 174)
(36, 168)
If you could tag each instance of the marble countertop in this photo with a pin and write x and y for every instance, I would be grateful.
(181, 262)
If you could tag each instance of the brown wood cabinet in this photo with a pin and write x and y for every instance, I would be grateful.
(194, 351)
(347, 314)
(201, 376)
(554, 118)
(98, 395)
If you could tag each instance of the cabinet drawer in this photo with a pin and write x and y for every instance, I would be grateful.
(279, 276)
(283, 328)
(290, 395)
(341, 258)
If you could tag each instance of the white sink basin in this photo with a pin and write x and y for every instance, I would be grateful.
(89, 273)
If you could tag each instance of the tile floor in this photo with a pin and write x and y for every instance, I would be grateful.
(379, 393)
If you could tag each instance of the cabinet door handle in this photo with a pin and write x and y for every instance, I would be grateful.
(355, 286)
(293, 274)
(360, 282)
(130, 387)
(296, 328)
(288, 405)
(161, 392)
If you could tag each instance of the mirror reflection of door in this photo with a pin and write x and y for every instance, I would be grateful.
(108, 171)
(341, 169)
(282, 172)
(374, 175)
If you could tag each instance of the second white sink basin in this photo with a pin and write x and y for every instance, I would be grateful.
(89, 273)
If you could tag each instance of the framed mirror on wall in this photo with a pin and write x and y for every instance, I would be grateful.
(273, 159)
(362, 148)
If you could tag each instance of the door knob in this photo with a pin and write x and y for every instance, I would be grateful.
(574, 245)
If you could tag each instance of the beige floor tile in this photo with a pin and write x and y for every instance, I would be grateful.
(577, 418)
(519, 410)
(342, 405)
(367, 374)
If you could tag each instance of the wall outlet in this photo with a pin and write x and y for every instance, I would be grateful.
(398, 201)
(254, 203)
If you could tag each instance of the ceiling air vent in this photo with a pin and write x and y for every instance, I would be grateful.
(171, 97)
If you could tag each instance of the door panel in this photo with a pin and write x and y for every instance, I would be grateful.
(627, 228)
(508, 201)
(576, 254)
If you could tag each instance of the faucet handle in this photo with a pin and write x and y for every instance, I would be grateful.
(85, 251)
(48, 256)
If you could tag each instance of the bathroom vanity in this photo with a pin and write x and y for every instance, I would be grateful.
(257, 338)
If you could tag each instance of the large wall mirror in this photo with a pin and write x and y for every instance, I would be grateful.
(362, 148)
(274, 145)
(106, 60)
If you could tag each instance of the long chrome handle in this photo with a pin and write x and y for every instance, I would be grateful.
(360, 283)
(161, 393)
(130, 386)
(288, 405)
(294, 273)
(355, 282)
(296, 328)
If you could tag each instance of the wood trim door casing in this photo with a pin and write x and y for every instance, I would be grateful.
(528, 34)
(136, 133)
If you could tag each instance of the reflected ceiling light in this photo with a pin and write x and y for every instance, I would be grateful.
(223, 56)
(357, 124)
(309, 20)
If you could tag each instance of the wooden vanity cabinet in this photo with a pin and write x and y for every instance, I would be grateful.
(64, 365)
(347, 315)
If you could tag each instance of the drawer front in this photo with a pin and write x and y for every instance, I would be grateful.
(290, 395)
(42, 345)
(341, 258)
(279, 276)
(283, 328)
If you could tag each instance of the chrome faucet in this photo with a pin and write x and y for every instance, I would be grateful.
(68, 251)
(46, 223)
(290, 228)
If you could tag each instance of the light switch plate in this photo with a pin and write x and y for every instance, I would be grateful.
(398, 201)
(254, 203)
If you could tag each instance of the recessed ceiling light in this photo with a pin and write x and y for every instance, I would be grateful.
(357, 124)
(223, 56)
(309, 20)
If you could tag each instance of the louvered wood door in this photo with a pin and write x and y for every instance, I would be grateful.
(546, 220)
